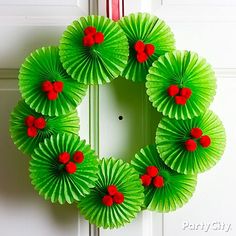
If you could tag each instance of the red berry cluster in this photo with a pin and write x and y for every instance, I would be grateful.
(181, 94)
(34, 124)
(143, 51)
(153, 177)
(52, 89)
(70, 166)
(113, 196)
(196, 133)
(92, 37)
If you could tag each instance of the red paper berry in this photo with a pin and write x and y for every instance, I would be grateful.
(158, 182)
(186, 92)
(118, 198)
(149, 49)
(146, 180)
(29, 121)
(52, 95)
(40, 123)
(173, 90)
(32, 132)
(141, 57)
(152, 171)
(78, 157)
(190, 145)
(64, 157)
(107, 200)
(88, 41)
(47, 86)
(112, 190)
(71, 167)
(58, 86)
(180, 100)
(139, 46)
(196, 132)
(90, 30)
(99, 37)
(205, 141)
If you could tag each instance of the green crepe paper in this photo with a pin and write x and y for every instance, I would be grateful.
(54, 124)
(186, 69)
(177, 189)
(151, 30)
(100, 63)
(50, 178)
(44, 64)
(172, 134)
(121, 174)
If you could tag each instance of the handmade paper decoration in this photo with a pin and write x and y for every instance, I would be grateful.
(46, 87)
(191, 146)
(94, 50)
(181, 85)
(164, 189)
(117, 196)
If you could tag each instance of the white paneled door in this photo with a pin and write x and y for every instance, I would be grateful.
(114, 117)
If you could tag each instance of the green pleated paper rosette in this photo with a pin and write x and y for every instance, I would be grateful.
(44, 65)
(177, 188)
(99, 63)
(172, 139)
(68, 123)
(51, 177)
(126, 180)
(186, 70)
(150, 30)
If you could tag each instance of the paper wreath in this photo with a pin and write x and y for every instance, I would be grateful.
(117, 197)
(165, 189)
(96, 50)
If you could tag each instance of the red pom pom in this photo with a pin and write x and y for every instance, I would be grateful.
(32, 132)
(196, 132)
(186, 92)
(205, 141)
(88, 41)
(141, 57)
(71, 167)
(107, 200)
(78, 157)
(99, 37)
(64, 157)
(190, 145)
(29, 121)
(52, 95)
(90, 30)
(58, 86)
(139, 46)
(40, 123)
(158, 182)
(180, 100)
(146, 180)
(118, 198)
(173, 90)
(112, 190)
(152, 171)
(47, 86)
(149, 49)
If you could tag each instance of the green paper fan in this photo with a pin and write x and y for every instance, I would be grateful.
(172, 134)
(185, 69)
(151, 30)
(113, 172)
(50, 178)
(177, 189)
(42, 65)
(100, 63)
(57, 124)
